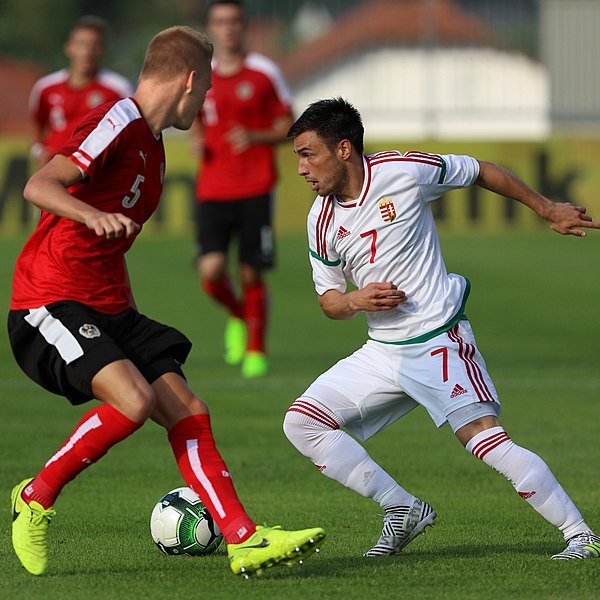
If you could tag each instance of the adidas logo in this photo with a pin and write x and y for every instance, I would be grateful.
(457, 391)
(342, 233)
(526, 495)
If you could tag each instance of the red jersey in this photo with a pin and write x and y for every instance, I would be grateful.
(58, 108)
(252, 98)
(124, 164)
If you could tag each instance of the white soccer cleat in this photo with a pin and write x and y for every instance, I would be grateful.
(401, 525)
(584, 545)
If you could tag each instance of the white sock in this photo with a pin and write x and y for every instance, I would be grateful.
(531, 478)
(314, 431)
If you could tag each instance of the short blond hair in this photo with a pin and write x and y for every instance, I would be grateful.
(174, 51)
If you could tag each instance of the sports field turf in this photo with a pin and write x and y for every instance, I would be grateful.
(534, 308)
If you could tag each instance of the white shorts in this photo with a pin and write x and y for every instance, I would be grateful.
(379, 383)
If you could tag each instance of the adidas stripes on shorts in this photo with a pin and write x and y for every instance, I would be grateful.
(379, 383)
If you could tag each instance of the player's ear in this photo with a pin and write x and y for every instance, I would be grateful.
(344, 149)
(189, 84)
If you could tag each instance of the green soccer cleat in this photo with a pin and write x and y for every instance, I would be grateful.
(235, 341)
(30, 530)
(271, 546)
(256, 364)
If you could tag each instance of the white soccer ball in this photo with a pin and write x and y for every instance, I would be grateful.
(180, 524)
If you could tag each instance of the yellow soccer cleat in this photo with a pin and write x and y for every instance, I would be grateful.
(271, 546)
(235, 341)
(30, 531)
(256, 364)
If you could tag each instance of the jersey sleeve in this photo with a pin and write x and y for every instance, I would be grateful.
(327, 267)
(281, 97)
(96, 140)
(37, 108)
(440, 173)
(120, 85)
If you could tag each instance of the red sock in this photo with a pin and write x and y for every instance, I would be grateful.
(255, 313)
(221, 291)
(205, 472)
(97, 432)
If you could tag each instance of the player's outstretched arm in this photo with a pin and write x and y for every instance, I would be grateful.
(373, 297)
(47, 189)
(564, 218)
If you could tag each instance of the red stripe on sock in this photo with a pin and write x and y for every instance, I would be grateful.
(482, 448)
(310, 410)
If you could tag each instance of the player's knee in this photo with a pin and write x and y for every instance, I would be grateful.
(291, 427)
(490, 446)
(140, 403)
(212, 267)
(306, 423)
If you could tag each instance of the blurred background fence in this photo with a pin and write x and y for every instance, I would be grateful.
(514, 81)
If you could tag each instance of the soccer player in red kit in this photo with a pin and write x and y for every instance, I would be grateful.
(58, 101)
(246, 113)
(73, 324)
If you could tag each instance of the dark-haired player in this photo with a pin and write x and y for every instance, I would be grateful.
(372, 225)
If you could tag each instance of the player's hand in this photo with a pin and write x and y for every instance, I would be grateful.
(567, 219)
(111, 225)
(377, 297)
(239, 138)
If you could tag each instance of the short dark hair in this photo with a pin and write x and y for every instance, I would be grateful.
(214, 3)
(98, 24)
(333, 120)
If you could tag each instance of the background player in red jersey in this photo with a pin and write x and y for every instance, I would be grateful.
(73, 325)
(247, 112)
(59, 100)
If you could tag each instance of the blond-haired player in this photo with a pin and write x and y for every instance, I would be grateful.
(74, 327)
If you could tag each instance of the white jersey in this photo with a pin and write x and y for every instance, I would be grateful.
(388, 235)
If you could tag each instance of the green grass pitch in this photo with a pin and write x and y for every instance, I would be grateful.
(534, 309)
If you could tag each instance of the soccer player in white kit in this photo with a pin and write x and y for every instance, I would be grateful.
(372, 225)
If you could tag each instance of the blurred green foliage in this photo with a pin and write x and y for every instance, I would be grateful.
(35, 30)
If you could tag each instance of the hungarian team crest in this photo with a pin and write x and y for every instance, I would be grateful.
(387, 209)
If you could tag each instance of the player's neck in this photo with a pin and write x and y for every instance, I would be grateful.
(81, 79)
(229, 61)
(354, 182)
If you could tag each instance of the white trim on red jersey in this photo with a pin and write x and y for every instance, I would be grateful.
(261, 63)
(108, 128)
(105, 77)
(116, 82)
(44, 82)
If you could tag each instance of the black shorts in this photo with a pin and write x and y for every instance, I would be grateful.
(249, 221)
(62, 346)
